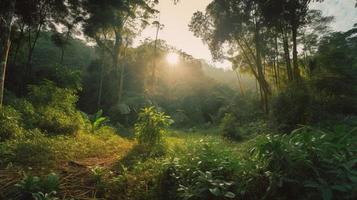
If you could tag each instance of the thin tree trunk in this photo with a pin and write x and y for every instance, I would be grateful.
(99, 102)
(5, 51)
(153, 76)
(241, 88)
(18, 45)
(263, 82)
(277, 61)
(121, 84)
(295, 54)
(275, 72)
(62, 55)
(32, 45)
(4, 58)
(64, 45)
(287, 57)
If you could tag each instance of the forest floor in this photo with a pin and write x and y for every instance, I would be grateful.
(79, 168)
(104, 165)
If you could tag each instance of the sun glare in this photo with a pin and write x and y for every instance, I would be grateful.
(173, 58)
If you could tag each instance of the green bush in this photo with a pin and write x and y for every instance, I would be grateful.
(308, 164)
(33, 187)
(56, 109)
(151, 126)
(56, 122)
(27, 111)
(36, 151)
(47, 94)
(291, 108)
(10, 123)
(229, 126)
(202, 170)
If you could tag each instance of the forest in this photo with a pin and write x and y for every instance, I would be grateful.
(89, 112)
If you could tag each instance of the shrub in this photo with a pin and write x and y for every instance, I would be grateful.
(33, 187)
(27, 111)
(56, 109)
(47, 94)
(34, 151)
(56, 122)
(229, 127)
(291, 107)
(10, 123)
(97, 120)
(308, 164)
(151, 126)
(203, 170)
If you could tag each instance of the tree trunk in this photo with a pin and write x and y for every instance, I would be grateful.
(6, 48)
(277, 61)
(99, 102)
(18, 44)
(262, 81)
(295, 54)
(116, 56)
(4, 58)
(287, 56)
(121, 84)
(153, 75)
(32, 45)
(62, 55)
(241, 87)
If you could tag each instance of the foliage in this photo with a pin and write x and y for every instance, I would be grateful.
(10, 123)
(39, 150)
(230, 127)
(291, 108)
(317, 162)
(37, 188)
(150, 127)
(46, 196)
(207, 172)
(56, 109)
(97, 120)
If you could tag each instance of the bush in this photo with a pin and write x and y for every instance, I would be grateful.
(202, 170)
(56, 109)
(308, 164)
(10, 123)
(291, 108)
(151, 126)
(27, 111)
(56, 122)
(47, 94)
(230, 128)
(33, 187)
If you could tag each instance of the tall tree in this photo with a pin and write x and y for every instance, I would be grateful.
(110, 24)
(287, 15)
(237, 24)
(7, 11)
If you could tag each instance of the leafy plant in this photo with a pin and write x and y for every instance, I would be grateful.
(229, 127)
(98, 173)
(37, 188)
(97, 120)
(29, 184)
(151, 126)
(10, 123)
(45, 196)
(51, 183)
(206, 172)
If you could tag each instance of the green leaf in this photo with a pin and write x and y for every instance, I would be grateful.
(230, 195)
(215, 191)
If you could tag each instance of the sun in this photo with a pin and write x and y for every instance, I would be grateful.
(172, 58)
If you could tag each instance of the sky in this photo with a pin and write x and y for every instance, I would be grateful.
(177, 17)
